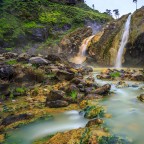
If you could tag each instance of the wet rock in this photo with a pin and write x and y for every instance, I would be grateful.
(64, 75)
(94, 122)
(103, 90)
(71, 88)
(141, 97)
(121, 84)
(57, 104)
(38, 61)
(55, 95)
(89, 90)
(7, 72)
(14, 118)
(24, 57)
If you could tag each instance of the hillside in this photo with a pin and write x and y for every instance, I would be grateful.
(28, 24)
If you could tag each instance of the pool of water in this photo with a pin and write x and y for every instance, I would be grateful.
(61, 122)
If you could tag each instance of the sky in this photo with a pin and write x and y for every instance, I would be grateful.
(124, 6)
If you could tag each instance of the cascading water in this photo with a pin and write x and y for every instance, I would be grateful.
(81, 56)
(123, 43)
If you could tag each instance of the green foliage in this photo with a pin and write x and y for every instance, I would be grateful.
(73, 94)
(19, 17)
(20, 90)
(54, 18)
(115, 74)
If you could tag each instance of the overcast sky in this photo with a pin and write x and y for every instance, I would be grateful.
(124, 6)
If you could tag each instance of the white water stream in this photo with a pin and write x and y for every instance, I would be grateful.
(124, 40)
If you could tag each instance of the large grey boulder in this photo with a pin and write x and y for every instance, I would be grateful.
(38, 61)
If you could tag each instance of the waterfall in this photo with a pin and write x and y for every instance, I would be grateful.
(124, 40)
(81, 56)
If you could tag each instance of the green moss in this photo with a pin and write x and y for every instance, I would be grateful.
(113, 140)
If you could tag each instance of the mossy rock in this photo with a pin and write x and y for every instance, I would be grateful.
(93, 112)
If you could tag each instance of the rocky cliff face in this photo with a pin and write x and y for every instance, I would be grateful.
(134, 55)
(105, 47)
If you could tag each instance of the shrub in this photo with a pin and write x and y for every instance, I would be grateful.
(11, 62)
(73, 95)
(115, 74)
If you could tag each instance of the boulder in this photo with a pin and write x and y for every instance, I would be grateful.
(93, 122)
(14, 118)
(122, 84)
(103, 90)
(55, 95)
(93, 112)
(24, 57)
(53, 58)
(6, 72)
(72, 87)
(64, 75)
(57, 104)
(38, 61)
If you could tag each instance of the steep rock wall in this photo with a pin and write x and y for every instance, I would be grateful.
(134, 55)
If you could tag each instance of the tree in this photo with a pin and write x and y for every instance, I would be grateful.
(108, 12)
(135, 1)
(93, 6)
(116, 11)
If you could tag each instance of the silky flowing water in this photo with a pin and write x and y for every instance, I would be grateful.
(124, 40)
(127, 118)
